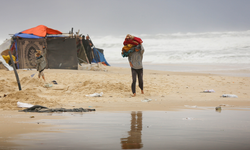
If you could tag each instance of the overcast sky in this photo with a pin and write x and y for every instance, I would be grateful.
(120, 17)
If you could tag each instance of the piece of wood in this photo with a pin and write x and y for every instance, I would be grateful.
(14, 68)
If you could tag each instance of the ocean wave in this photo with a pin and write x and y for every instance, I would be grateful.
(208, 47)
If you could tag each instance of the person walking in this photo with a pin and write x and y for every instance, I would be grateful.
(135, 62)
(40, 63)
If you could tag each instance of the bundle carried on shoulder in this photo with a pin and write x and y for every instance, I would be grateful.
(130, 44)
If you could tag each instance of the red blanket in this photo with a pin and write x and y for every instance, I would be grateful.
(134, 41)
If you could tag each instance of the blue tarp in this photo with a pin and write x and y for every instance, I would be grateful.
(99, 57)
(31, 36)
(28, 36)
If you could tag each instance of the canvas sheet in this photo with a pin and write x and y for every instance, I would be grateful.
(26, 49)
(62, 53)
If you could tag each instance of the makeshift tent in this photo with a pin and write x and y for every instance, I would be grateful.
(61, 50)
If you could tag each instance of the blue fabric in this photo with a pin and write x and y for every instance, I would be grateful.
(16, 55)
(99, 57)
(31, 36)
(28, 36)
(125, 54)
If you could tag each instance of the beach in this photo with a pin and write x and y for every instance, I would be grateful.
(164, 91)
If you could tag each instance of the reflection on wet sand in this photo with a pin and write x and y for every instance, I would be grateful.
(133, 141)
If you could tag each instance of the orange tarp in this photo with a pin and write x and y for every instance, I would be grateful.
(41, 31)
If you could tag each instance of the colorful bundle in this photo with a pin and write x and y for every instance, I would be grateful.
(129, 43)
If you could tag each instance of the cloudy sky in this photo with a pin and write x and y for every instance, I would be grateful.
(120, 17)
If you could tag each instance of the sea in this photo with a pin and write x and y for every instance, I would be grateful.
(184, 51)
(207, 47)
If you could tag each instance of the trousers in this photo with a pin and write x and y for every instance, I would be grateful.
(139, 73)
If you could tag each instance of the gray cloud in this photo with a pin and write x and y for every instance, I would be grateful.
(116, 17)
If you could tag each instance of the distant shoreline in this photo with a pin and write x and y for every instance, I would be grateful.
(239, 70)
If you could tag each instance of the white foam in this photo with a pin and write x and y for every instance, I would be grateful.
(210, 47)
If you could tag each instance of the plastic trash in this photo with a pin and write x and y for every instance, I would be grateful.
(54, 82)
(146, 100)
(218, 109)
(95, 95)
(24, 105)
(47, 85)
(229, 95)
(188, 118)
(32, 75)
(188, 106)
(208, 91)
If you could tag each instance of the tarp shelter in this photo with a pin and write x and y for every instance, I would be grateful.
(41, 31)
(99, 57)
(61, 50)
(86, 54)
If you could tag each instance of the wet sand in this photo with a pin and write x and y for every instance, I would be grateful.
(202, 128)
(168, 91)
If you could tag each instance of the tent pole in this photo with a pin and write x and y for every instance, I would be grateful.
(84, 51)
(14, 68)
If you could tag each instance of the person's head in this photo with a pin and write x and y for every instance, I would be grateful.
(38, 53)
(87, 37)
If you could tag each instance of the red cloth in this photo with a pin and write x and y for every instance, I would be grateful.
(134, 41)
(41, 31)
(130, 41)
(137, 40)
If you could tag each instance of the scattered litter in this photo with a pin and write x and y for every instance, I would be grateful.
(32, 116)
(218, 109)
(229, 95)
(226, 105)
(208, 91)
(146, 100)
(24, 105)
(95, 95)
(32, 75)
(47, 85)
(54, 82)
(4, 95)
(188, 118)
(188, 106)
(93, 67)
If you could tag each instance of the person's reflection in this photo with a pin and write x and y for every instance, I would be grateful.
(133, 141)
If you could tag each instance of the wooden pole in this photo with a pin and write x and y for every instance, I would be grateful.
(14, 68)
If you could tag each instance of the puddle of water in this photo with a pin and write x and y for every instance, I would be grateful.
(188, 129)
